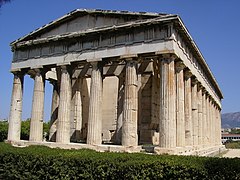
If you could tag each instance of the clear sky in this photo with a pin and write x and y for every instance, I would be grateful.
(213, 24)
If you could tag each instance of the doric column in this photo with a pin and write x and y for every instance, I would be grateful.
(210, 122)
(180, 104)
(15, 116)
(54, 112)
(36, 124)
(130, 105)
(167, 123)
(94, 134)
(219, 126)
(200, 115)
(64, 111)
(188, 109)
(120, 108)
(208, 119)
(216, 125)
(204, 118)
(213, 123)
(195, 112)
(78, 110)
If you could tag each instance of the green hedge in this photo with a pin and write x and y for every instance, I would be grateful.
(38, 162)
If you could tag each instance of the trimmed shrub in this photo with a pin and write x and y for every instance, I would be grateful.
(38, 162)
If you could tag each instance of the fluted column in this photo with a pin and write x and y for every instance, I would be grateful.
(195, 112)
(36, 124)
(216, 125)
(120, 108)
(180, 105)
(188, 109)
(94, 134)
(78, 109)
(200, 115)
(167, 121)
(208, 120)
(15, 116)
(130, 105)
(213, 123)
(54, 112)
(219, 126)
(64, 111)
(204, 118)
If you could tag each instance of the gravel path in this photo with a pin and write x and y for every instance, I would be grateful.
(232, 153)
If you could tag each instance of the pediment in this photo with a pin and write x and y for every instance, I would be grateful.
(81, 20)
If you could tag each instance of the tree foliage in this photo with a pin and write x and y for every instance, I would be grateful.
(25, 129)
(3, 130)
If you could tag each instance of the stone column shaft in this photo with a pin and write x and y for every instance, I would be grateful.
(216, 126)
(180, 105)
(15, 116)
(120, 108)
(64, 111)
(213, 124)
(130, 105)
(54, 112)
(204, 123)
(94, 134)
(219, 126)
(167, 123)
(195, 113)
(78, 109)
(208, 121)
(200, 116)
(188, 109)
(36, 124)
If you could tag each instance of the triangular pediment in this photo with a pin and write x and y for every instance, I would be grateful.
(82, 20)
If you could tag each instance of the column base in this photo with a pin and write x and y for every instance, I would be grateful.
(192, 150)
(189, 150)
(99, 148)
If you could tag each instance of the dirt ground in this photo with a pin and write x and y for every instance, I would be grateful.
(232, 153)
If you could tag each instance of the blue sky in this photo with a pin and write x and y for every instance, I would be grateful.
(213, 24)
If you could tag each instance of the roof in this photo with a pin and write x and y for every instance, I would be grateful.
(76, 12)
(230, 135)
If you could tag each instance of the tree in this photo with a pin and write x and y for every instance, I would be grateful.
(3, 130)
(25, 129)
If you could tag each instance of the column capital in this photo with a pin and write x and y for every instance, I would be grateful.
(187, 74)
(200, 87)
(194, 81)
(18, 72)
(179, 65)
(204, 91)
(66, 68)
(169, 57)
(36, 71)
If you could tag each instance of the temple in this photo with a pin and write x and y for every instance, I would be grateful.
(120, 80)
